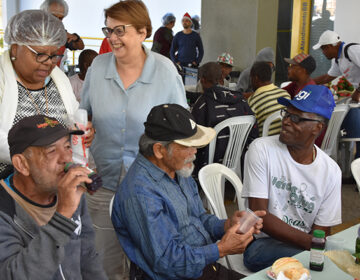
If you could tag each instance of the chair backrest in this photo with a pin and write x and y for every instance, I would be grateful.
(239, 129)
(210, 177)
(355, 170)
(330, 142)
(111, 205)
(274, 116)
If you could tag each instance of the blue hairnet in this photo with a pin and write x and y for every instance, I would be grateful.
(167, 18)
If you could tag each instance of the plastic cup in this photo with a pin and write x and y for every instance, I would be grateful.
(334, 243)
(247, 221)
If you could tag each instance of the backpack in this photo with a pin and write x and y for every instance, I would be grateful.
(346, 52)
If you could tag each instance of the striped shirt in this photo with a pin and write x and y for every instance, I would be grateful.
(264, 102)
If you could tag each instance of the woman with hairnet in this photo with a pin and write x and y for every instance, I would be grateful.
(244, 83)
(164, 35)
(30, 81)
(60, 9)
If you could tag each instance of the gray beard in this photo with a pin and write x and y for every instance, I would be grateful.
(186, 171)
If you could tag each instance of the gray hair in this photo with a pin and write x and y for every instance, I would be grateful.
(35, 28)
(45, 6)
(146, 145)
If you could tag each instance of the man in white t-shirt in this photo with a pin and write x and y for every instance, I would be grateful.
(345, 61)
(295, 181)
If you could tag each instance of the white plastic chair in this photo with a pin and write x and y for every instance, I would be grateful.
(239, 128)
(111, 205)
(330, 142)
(211, 177)
(274, 116)
(355, 170)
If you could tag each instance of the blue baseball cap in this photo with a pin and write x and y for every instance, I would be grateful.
(312, 99)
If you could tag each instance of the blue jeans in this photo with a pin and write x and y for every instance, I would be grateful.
(262, 253)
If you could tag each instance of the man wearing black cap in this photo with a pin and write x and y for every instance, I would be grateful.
(299, 70)
(293, 180)
(158, 214)
(45, 229)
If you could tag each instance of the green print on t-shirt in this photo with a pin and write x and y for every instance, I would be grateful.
(297, 198)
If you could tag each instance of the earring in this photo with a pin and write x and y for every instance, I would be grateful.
(13, 58)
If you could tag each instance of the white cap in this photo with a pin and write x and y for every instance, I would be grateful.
(327, 38)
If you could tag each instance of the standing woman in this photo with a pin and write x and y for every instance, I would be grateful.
(119, 91)
(30, 82)
(164, 35)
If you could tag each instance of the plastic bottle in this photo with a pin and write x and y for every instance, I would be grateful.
(357, 248)
(317, 250)
(96, 178)
(80, 152)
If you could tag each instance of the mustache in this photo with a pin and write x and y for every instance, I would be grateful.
(190, 159)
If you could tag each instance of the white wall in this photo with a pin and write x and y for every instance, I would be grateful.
(347, 20)
(86, 17)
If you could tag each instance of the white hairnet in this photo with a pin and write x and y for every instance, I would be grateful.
(167, 18)
(35, 28)
(45, 6)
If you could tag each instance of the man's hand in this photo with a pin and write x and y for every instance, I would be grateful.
(234, 243)
(247, 94)
(356, 96)
(70, 191)
(71, 38)
(236, 217)
(74, 42)
(90, 134)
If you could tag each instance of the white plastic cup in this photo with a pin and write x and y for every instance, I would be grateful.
(334, 243)
(247, 221)
(80, 152)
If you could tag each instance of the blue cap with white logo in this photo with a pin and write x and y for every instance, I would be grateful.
(312, 99)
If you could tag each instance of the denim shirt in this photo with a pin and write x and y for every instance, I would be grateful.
(162, 225)
(118, 114)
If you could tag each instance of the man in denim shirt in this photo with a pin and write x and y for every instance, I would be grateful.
(158, 214)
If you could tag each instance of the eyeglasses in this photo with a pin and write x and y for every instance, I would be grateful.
(43, 57)
(119, 30)
(295, 118)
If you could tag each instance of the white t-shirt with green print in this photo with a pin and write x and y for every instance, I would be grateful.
(300, 195)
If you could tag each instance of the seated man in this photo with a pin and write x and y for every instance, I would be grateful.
(158, 214)
(45, 229)
(299, 70)
(264, 100)
(295, 181)
(215, 105)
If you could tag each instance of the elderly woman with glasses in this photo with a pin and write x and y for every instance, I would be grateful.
(30, 82)
(119, 91)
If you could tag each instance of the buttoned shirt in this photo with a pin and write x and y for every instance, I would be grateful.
(118, 114)
(162, 225)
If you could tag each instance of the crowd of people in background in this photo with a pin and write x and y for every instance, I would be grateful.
(149, 143)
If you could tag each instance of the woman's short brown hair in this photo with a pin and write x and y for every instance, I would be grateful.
(133, 12)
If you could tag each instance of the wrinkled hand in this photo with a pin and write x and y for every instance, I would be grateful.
(234, 243)
(90, 134)
(236, 217)
(70, 191)
(356, 96)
